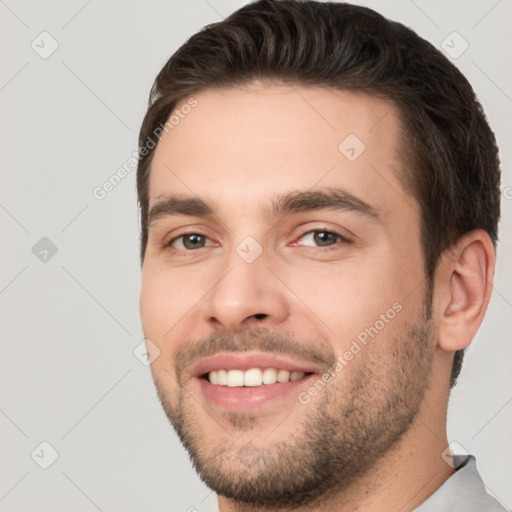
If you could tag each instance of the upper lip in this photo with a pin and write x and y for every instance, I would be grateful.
(247, 360)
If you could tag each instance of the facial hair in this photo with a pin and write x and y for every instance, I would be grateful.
(353, 422)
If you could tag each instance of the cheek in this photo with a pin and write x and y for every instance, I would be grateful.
(151, 302)
(161, 303)
(348, 301)
(159, 308)
(170, 302)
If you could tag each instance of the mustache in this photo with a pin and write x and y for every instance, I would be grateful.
(260, 340)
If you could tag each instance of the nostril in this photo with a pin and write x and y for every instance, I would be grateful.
(259, 316)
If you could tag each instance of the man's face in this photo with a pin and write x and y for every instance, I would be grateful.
(283, 242)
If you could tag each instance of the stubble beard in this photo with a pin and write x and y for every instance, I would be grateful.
(352, 424)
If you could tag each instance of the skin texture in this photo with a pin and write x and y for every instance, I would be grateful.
(372, 438)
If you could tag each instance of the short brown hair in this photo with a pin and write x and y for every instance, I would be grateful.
(450, 147)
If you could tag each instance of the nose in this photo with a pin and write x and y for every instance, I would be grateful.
(249, 295)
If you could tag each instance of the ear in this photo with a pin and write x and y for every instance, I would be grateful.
(464, 283)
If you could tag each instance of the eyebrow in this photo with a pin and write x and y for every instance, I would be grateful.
(179, 205)
(328, 199)
(292, 202)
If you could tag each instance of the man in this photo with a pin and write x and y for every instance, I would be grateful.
(319, 220)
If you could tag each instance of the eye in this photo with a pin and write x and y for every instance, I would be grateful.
(321, 238)
(190, 241)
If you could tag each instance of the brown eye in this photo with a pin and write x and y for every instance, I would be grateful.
(321, 238)
(189, 241)
(193, 241)
(325, 238)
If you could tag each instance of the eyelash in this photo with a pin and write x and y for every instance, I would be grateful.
(183, 235)
(341, 238)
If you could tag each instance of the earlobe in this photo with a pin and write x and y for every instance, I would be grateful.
(468, 275)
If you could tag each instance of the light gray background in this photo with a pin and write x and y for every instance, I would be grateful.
(69, 325)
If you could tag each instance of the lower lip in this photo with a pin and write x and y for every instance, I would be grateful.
(251, 397)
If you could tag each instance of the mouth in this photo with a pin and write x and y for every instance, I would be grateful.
(252, 377)
(243, 382)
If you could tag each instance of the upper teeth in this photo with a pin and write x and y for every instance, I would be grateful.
(252, 377)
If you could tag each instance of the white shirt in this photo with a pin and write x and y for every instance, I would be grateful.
(464, 491)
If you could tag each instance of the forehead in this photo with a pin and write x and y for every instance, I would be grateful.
(264, 136)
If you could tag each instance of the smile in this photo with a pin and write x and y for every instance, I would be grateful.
(245, 381)
(252, 377)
